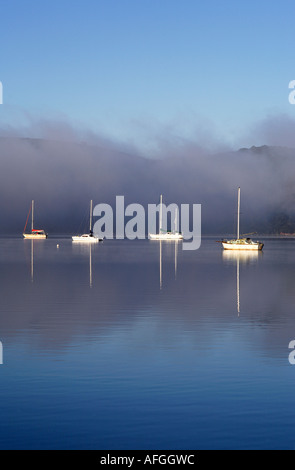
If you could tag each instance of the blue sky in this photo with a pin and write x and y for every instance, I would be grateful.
(132, 69)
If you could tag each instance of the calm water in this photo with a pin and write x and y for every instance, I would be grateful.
(140, 345)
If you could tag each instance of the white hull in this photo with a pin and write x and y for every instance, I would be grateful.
(86, 239)
(34, 234)
(31, 236)
(251, 246)
(245, 244)
(165, 236)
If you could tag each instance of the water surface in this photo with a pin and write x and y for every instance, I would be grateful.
(141, 345)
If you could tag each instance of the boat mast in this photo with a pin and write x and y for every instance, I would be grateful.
(90, 217)
(32, 215)
(160, 225)
(238, 228)
(238, 286)
(175, 221)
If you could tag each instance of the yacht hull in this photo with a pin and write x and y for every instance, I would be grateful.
(31, 236)
(254, 246)
(165, 236)
(86, 239)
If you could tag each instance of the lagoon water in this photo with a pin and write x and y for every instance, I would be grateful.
(141, 345)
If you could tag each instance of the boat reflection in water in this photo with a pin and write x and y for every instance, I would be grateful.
(85, 250)
(32, 256)
(243, 257)
(168, 244)
(32, 260)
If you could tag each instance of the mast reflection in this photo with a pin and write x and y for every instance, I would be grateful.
(87, 250)
(240, 257)
(166, 243)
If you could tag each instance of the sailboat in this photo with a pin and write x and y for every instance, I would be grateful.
(241, 243)
(87, 237)
(35, 234)
(163, 234)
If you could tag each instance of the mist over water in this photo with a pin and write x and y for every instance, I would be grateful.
(195, 342)
(63, 169)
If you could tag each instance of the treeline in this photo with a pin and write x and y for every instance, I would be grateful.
(280, 223)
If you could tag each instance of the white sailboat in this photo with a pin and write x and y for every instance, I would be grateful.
(35, 234)
(87, 237)
(241, 243)
(163, 234)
